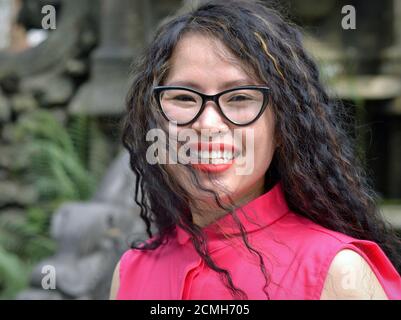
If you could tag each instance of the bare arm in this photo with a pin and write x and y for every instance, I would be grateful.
(115, 283)
(350, 277)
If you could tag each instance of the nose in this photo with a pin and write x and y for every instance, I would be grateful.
(210, 119)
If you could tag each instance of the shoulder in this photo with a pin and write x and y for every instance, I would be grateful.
(128, 258)
(115, 282)
(340, 266)
(350, 277)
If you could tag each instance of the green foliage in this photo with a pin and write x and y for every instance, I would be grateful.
(65, 164)
(23, 241)
(389, 201)
(59, 156)
(13, 273)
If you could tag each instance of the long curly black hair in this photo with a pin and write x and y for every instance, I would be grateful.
(315, 161)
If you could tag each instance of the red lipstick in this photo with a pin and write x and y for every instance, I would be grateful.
(210, 167)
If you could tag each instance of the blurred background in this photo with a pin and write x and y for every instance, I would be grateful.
(65, 186)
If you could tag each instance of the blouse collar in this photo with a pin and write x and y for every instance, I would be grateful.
(255, 215)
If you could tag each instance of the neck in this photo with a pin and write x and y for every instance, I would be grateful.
(206, 213)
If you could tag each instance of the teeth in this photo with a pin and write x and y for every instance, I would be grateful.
(215, 157)
(213, 154)
(219, 161)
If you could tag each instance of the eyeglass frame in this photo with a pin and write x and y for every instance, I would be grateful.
(215, 98)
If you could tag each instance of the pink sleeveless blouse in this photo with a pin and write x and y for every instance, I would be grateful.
(296, 251)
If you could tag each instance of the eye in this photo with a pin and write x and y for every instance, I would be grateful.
(238, 98)
(184, 98)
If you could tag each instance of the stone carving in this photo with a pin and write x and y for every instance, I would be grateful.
(91, 236)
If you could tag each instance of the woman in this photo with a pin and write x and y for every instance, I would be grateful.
(285, 214)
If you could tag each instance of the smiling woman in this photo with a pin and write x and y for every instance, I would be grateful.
(301, 224)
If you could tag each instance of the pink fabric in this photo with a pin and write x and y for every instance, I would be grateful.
(297, 253)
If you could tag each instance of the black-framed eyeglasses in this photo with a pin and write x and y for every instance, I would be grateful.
(241, 105)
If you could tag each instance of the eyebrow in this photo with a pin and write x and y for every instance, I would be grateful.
(223, 86)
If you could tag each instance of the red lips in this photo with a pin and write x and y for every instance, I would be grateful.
(213, 168)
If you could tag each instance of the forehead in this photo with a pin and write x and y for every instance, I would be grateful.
(206, 60)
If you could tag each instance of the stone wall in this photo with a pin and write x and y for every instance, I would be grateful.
(83, 68)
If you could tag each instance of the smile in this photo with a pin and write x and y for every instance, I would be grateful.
(213, 157)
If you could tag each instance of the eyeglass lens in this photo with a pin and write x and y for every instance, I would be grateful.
(239, 106)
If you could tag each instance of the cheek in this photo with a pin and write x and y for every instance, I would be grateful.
(264, 143)
(264, 140)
